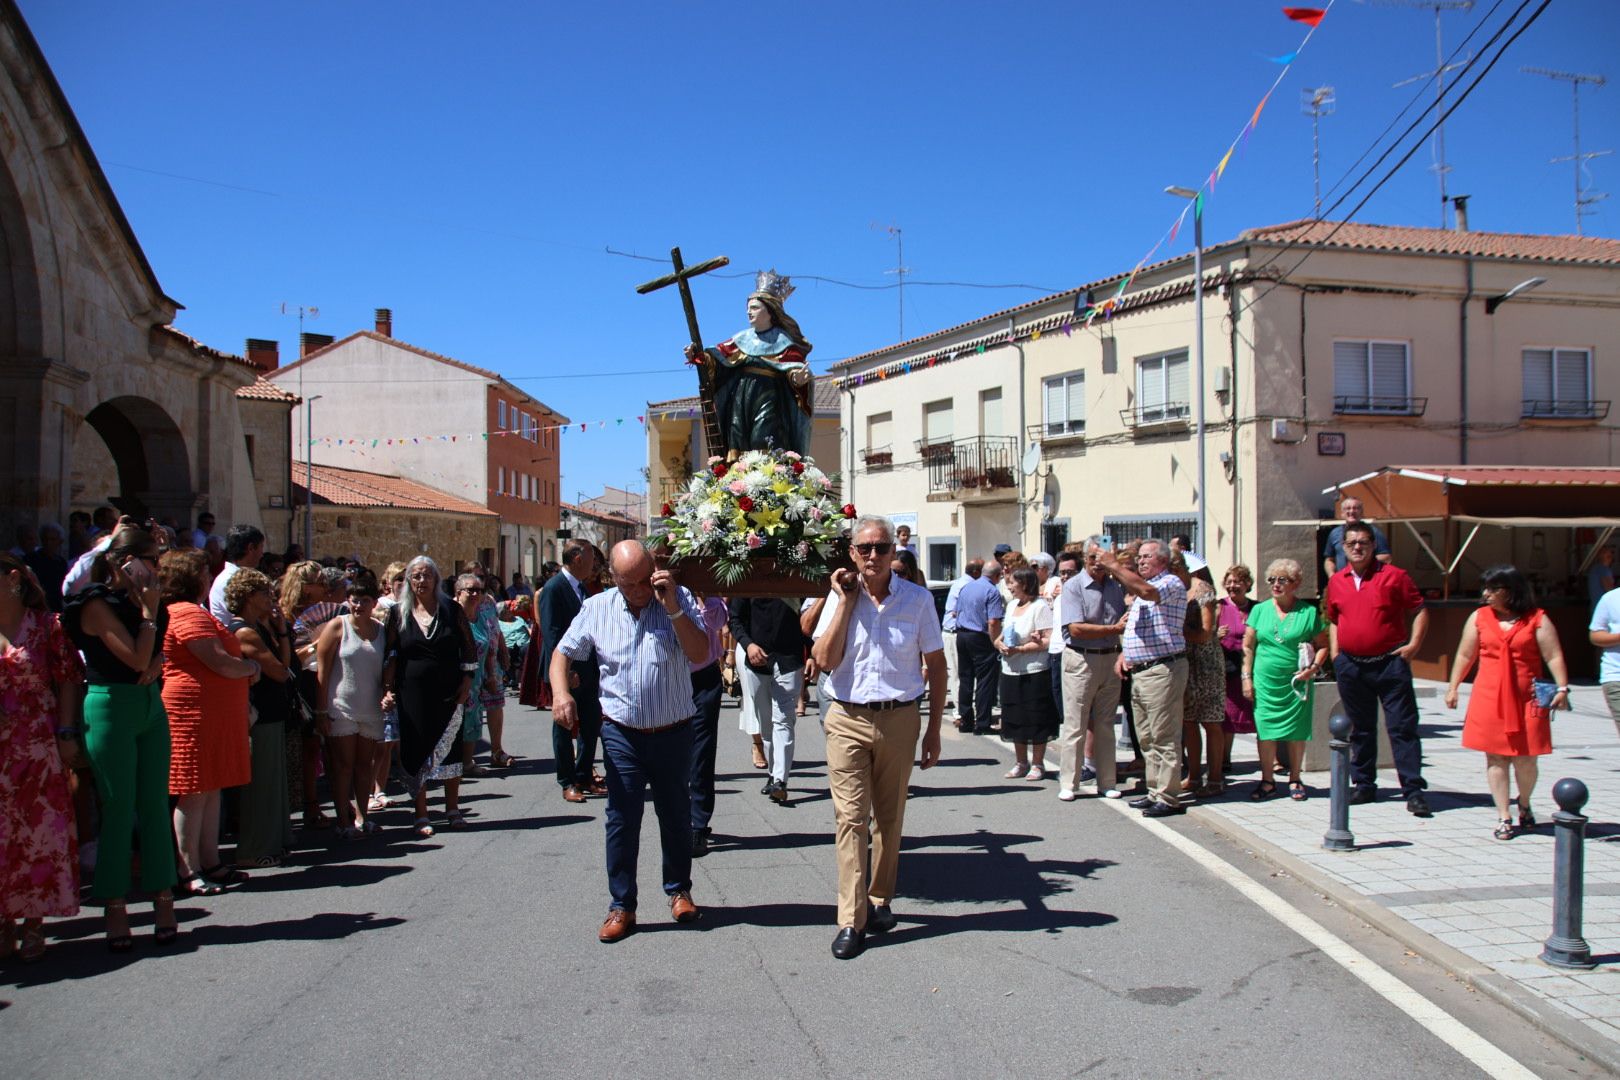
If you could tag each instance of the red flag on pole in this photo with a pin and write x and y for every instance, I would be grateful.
(1308, 15)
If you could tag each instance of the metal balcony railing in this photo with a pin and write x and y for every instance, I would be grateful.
(1565, 409)
(878, 457)
(1376, 405)
(1165, 412)
(1057, 430)
(985, 462)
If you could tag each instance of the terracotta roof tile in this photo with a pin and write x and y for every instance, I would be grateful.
(352, 487)
(1354, 235)
(262, 389)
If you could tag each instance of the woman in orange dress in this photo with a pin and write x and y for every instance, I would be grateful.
(1511, 638)
(205, 693)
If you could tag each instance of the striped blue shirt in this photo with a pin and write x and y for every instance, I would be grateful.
(1157, 628)
(646, 678)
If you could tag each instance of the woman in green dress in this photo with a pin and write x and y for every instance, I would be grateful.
(1284, 648)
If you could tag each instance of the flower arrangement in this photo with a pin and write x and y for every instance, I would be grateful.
(767, 504)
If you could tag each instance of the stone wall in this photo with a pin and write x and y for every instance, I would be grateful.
(380, 536)
(266, 431)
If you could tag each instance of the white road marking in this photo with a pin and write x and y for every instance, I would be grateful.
(1439, 1023)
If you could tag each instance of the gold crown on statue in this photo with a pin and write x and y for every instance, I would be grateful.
(770, 283)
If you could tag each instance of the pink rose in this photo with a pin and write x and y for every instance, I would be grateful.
(754, 541)
(737, 487)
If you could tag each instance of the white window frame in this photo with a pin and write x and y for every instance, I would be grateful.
(1561, 406)
(500, 414)
(930, 437)
(1067, 382)
(500, 480)
(1407, 406)
(1166, 410)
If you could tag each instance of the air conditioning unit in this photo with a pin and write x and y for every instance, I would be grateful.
(1282, 431)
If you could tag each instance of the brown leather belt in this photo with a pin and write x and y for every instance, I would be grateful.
(647, 730)
(876, 706)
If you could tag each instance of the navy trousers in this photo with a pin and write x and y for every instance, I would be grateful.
(575, 754)
(978, 668)
(1362, 687)
(634, 762)
(707, 691)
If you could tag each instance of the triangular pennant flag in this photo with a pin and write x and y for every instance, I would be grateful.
(1221, 168)
(1177, 226)
(373, 442)
(1285, 59)
(1035, 336)
(1254, 121)
(980, 349)
(641, 419)
(1307, 15)
(619, 422)
(1198, 205)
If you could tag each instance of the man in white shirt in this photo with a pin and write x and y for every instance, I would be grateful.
(876, 634)
(244, 546)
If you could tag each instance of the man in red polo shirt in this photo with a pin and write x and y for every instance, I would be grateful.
(1367, 605)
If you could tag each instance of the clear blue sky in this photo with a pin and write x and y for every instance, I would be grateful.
(467, 165)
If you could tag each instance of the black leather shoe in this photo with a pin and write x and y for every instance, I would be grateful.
(1418, 806)
(1142, 803)
(700, 843)
(880, 920)
(849, 943)
(769, 785)
(778, 793)
(1163, 809)
(1363, 795)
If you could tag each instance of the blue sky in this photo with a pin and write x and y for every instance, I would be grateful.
(469, 165)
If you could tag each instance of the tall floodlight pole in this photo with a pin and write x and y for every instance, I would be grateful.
(1585, 198)
(1202, 539)
(1439, 76)
(1318, 102)
(309, 474)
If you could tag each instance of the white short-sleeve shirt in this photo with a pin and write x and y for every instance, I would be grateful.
(884, 647)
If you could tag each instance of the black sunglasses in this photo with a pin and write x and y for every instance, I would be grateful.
(873, 549)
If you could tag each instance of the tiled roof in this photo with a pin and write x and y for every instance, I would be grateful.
(493, 376)
(1513, 475)
(262, 389)
(826, 399)
(351, 487)
(204, 350)
(1409, 240)
(623, 519)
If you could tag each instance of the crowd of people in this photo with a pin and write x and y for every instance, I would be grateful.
(160, 686)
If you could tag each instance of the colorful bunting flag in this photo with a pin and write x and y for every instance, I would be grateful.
(1311, 17)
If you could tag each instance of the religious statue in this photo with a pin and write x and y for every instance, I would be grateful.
(760, 379)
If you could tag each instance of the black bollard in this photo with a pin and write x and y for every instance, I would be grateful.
(1567, 948)
(1339, 837)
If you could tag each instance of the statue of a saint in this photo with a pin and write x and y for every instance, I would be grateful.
(762, 383)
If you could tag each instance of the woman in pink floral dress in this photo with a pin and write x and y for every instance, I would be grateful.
(40, 688)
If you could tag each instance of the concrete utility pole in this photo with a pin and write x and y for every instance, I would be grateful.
(1585, 197)
(1318, 102)
(1439, 76)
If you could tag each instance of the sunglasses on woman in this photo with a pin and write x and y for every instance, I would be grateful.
(1279, 581)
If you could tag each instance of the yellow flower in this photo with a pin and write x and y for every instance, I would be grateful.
(768, 520)
(782, 487)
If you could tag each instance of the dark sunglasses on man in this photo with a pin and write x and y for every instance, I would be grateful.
(882, 548)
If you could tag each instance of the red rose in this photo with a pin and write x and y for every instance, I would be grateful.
(744, 503)
(849, 510)
(720, 469)
(667, 510)
(798, 467)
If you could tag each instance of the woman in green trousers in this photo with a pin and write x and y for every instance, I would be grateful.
(114, 623)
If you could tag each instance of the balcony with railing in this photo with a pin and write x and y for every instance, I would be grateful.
(1159, 416)
(1563, 409)
(877, 458)
(983, 468)
(1380, 405)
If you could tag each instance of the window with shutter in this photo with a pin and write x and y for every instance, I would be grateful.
(1064, 404)
(500, 415)
(1372, 377)
(990, 412)
(938, 422)
(879, 431)
(1558, 382)
(1162, 388)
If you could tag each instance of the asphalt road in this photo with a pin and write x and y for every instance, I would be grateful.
(1035, 938)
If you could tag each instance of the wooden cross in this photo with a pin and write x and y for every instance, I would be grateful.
(683, 274)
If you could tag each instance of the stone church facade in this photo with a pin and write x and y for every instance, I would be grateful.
(101, 399)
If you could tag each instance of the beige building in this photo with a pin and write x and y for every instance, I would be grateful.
(599, 525)
(382, 519)
(675, 442)
(1330, 350)
(101, 399)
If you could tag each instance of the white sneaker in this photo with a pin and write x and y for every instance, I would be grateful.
(1111, 793)
(1067, 795)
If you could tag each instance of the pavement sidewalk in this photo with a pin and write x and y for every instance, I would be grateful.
(1450, 891)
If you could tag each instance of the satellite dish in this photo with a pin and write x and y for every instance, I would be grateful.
(1032, 458)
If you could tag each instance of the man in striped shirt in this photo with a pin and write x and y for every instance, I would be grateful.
(1155, 655)
(643, 634)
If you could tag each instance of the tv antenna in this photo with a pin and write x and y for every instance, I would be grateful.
(1585, 198)
(900, 270)
(1317, 102)
(1440, 168)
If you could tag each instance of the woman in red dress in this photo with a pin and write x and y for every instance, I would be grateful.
(205, 693)
(1511, 638)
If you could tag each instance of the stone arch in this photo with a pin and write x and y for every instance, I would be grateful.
(143, 448)
(21, 315)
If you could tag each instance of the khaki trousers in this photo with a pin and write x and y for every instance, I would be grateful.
(869, 759)
(1156, 695)
(1090, 702)
(949, 637)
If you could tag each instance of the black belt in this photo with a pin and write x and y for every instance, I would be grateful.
(876, 706)
(647, 730)
(1079, 649)
(1155, 662)
(1380, 658)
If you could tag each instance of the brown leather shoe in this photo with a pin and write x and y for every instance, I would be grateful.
(620, 924)
(681, 906)
(573, 794)
(597, 789)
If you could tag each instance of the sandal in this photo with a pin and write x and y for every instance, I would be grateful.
(473, 771)
(368, 827)
(1527, 820)
(376, 804)
(1212, 790)
(225, 875)
(1264, 790)
(161, 934)
(422, 828)
(118, 943)
(456, 819)
(197, 885)
(1297, 792)
(347, 832)
(500, 759)
(319, 821)
(32, 950)
(1017, 772)
(1035, 773)
(263, 862)
(1504, 830)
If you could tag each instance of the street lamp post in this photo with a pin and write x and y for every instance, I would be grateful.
(1198, 356)
(309, 474)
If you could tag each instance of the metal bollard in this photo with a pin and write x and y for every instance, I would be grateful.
(1339, 837)
(1567, 948)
